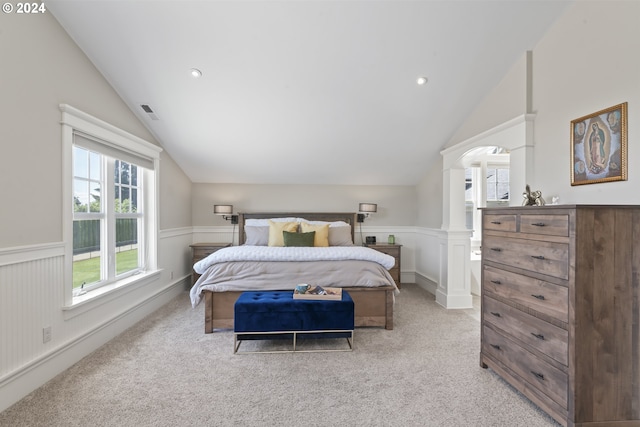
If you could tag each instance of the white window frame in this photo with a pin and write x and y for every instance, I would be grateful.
(108, 218)
(498, 202)
(480, 164)
(113, 140)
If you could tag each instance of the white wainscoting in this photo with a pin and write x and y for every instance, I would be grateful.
(31, 298)
(428, 258)
(215, 234)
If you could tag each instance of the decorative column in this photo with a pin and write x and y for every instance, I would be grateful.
(516, 135)
(454, 285)
(454, 282)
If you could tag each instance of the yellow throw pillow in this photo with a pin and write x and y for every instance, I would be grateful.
(276, 229)
(322, 233)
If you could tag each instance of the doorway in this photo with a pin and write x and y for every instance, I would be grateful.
(514, 137)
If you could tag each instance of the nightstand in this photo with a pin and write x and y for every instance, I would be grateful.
(203, 250)
(394, 251)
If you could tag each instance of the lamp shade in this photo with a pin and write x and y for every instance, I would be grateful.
(368, 207)
(222, 209)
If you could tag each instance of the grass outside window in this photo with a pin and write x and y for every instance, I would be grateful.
(87, 271)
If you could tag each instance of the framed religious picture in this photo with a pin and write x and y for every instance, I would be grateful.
(599, 146)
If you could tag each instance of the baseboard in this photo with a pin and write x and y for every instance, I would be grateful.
(28, 378)
(407, 277)
(426, 283)
(454, 301)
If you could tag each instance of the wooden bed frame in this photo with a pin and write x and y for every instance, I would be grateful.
(373, 306)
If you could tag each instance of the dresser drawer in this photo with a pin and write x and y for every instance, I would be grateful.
(547, 258)
(536, 372)
(536, 333)
(201, 253)
(543, 297)
(549, 225)
(499, 222)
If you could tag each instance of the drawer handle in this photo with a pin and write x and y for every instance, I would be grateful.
(496, 222)
(497, 282)
(496, 249)
(538, 375)
(496, 346)
(538, 224)
(539, 336)
(537, 256)
(495, 314)
(540, 297)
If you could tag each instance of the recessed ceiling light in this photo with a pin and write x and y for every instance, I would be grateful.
(195, 73)
(421, 80)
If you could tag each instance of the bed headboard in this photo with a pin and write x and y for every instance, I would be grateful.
(348, 217)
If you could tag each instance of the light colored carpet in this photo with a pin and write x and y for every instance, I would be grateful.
(165, 371)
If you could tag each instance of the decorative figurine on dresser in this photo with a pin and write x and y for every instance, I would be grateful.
(560, 312)
(532, 198)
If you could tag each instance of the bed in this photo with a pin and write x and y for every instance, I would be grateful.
(226, 273)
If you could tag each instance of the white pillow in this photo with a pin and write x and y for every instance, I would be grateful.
(256, 236)
(331, 223)
(340, 236)
(265, 222)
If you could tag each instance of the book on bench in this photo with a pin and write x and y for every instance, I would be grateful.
(317, 292)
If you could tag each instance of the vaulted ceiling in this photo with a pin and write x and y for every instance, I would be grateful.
(306, 92)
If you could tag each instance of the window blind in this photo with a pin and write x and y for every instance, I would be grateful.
(111, 150)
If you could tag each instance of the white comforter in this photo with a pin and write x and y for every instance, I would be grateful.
(262, 267)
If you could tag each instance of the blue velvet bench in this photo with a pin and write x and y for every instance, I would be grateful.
(277, 315)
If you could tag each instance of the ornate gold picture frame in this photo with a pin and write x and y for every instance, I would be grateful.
(599, 146)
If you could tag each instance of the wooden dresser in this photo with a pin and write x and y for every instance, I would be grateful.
(395, 251)
(560, 309)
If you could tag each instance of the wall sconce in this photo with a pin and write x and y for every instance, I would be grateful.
(365, 209)
(226, 211)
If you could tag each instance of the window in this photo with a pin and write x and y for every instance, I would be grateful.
(110, 213)
(107, 218)
(497, 184)
(468, 185)
(486, 185)
(469, 196)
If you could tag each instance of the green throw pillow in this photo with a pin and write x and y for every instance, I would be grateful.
(298, 239)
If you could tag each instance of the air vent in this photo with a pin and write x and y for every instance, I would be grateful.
(149, 111)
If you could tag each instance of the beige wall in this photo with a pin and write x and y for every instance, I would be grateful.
(429, 192)
(175, 195)
(587, 62)
(583, 64)
(505, 102)
(397, 205)
(41, 67)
